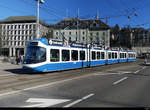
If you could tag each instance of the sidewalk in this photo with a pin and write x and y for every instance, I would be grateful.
(8, 63)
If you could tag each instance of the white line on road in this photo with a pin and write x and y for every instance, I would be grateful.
(120, 80)
(139, 70)
(136, 71)
(78, 101)
(144, 67)
(43, 85)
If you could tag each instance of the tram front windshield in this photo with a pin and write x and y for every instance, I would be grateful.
(35, 54)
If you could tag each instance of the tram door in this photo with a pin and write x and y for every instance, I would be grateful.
(88, 58)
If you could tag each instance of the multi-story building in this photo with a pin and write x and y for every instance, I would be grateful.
(141, 41)
(16, 31)
(84, 31)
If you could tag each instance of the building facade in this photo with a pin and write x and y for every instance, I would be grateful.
(141, 41)
(15, 32)
(83, 31)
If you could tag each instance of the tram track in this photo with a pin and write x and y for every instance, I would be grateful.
(19, 82)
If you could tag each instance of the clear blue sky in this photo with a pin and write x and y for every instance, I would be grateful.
(53, 11)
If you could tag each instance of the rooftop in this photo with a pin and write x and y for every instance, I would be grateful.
(19, 19)
(22, 19)
(72, 23)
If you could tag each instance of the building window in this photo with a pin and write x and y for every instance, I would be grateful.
(91, 34)
(30, 31)
(22, 37)
(97, 34)
(22, 26)
(22, 44)
(83, 33)
(15, 26)
(83, 38)
(26, 26)
(69, 33)
(19, 32)
(30, 26)
(57, 33)
(26, 32)
(11, 26)
(70, 38)
(34, 26)
(22, 32)
(103, 33)
(15, 32)
(76, 38)
(18, 37)
(19, 26)
(4, 27)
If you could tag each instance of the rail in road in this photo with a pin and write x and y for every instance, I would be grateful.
(16, 79)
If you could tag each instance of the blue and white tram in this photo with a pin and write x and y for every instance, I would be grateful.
(123, 56)
(45, 56)
(131, 56)
(111, 57)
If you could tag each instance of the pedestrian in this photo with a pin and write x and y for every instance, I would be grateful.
(145, 59)
(17, 60)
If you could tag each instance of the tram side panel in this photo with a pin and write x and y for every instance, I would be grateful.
(131, 56)
(97, 57)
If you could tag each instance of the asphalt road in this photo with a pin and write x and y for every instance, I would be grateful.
(120, 85)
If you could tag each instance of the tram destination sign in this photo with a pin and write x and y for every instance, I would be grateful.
(55, 42)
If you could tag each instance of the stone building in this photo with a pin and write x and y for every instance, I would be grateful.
(141, 41)
(84, 31)
(16, 31)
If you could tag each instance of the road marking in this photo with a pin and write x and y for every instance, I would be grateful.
(43, 85)
(57, 82)
(144, 67)
(78, 101)
(45, 102)
(139, 70)
(105, 74)
(8, 93)
(124, 72)
(120, 80)
(7, 75)
(136, 71)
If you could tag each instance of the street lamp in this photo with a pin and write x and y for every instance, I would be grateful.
(37, 22)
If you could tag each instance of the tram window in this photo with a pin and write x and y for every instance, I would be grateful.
(120, 55)
(125, 55)
(74, 54)
(102, 55)
(65, 55)
(109, 55)
(54, 55)
(115, 55)
(82, 55)
(98, 55)
(129, 55)
(93, 55)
